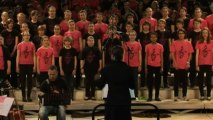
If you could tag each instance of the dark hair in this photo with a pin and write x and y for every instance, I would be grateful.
(53, 67)
(180, 21)
(181, 30)
(117, 52)
(153, 33)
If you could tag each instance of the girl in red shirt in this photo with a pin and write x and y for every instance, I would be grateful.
(181, 51)
(26, 65)
(56, 42)
(204, 57)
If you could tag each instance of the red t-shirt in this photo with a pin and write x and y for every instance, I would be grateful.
(152, 21)
(82, 26)
(45, 58)
(191, 27)
(134, 53)
(76, 35)
(1, 59)
(209, 20)
(56, 44)
(181, 50)
(101, 28)
(64, 26)
(205, 53)
(153, 52)
(26, 52)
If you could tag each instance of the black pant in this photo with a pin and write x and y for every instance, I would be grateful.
(143, 74)
(13, 77)
(150, 72)
(42, 77)
(205, 69)
(70, 82)
(192, 71)
(90, 83)
(180, 75)
(135, 75)
(166, 67)
(26, 72)
(118, 112)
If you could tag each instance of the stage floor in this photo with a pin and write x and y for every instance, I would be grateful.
(192, 116)
(168, 104)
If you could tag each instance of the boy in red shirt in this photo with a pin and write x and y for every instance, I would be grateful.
(26, 65)
(204, 48)
(45, 58)
(100, 27)
(132, 56)
(154, 65)
(82, 24)
(181, 51)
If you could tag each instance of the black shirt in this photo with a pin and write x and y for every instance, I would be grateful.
(68, 57)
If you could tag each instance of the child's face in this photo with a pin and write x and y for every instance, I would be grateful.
(90, 42)
(132, 36)
(130, 19)
(26, 36)
(72, 25)
(161, 25)
(153, 38)
(179, 25)
(4, 16)
(128, 27)
(205, 33)
(165, 12)
(67, 43)
(45, 42)
(67, 15)
(182, 12)
(99, 17)
(196, 25)
(91, 27)
(10, 25)
(24, 27)
(52, 12)
(181, 35)
(146, 27)
(57, 30)
(41, 32)
(83, 16)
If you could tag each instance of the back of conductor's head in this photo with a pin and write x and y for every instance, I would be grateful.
(117, 53)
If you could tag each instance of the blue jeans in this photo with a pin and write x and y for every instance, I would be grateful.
(45, 111)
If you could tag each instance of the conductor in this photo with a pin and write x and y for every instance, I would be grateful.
(119, 78)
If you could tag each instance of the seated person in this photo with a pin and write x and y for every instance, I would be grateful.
(53, 85)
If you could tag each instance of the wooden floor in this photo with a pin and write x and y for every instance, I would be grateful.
(192, 104)
(166, 95)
